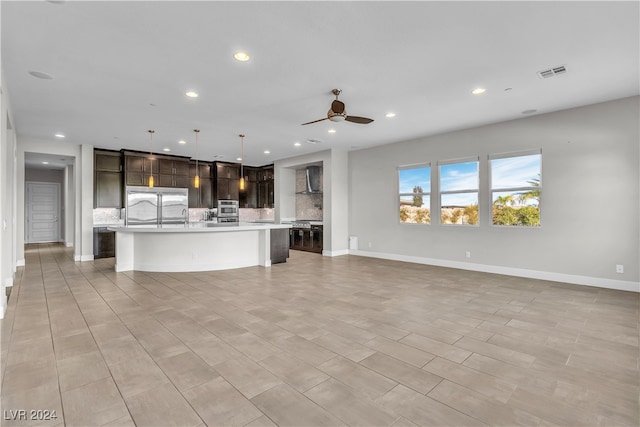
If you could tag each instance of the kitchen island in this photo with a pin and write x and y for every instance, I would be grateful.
(197, 246)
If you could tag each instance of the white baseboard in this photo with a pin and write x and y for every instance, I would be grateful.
(335, 253)
(3, 305)
(621, 285)
(8, 282)
(68, 244)
(86, 258)
(20, 263)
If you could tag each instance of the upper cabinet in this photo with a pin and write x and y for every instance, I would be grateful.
(201, 197)
(266, 187)
(259, 188)
(227, 181)
(220, 180)
(138, 168)
(173, 172)
(167, 171)
(107, 182)
(249, 196)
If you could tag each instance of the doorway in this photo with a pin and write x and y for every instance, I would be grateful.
(43, 212)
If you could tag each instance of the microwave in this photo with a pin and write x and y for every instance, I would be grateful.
(228, 208)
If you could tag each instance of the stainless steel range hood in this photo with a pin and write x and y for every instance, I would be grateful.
(314, 184)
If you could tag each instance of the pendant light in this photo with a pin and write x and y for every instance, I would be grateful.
(241, 162)
(151, 132)
(196, 180)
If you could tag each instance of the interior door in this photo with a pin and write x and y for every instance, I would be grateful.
(43, 212)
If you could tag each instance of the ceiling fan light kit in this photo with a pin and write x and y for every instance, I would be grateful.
(338, 113)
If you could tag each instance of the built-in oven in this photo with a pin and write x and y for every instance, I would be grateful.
(228, 208)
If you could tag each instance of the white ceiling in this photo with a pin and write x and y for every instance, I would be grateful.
(121, 67)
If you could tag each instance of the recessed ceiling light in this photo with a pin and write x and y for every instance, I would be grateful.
(45, 163)
(166, 149)
(478, 91)
(41, 75)
(59, 135)
(239, 159)
(267, 152)
(192, 94)
(331, 131)
(390, 114)
(182, 142)
(241, 56)
(297, 144)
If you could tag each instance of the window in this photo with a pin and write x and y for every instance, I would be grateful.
(515, 189)
(459, 193)
(415, 194)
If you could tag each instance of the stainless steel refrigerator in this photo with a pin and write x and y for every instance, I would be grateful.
(156, 206)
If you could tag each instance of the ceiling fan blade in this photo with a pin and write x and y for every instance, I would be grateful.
(337, 107)
(356, 119)
(315, 121)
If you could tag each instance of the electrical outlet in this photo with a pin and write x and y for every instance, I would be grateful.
(619, 268)
(467, 254)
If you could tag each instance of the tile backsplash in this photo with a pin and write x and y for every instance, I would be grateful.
(308, 206)
(107, 216)
(250, 215)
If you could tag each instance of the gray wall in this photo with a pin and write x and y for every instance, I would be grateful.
(590, 198)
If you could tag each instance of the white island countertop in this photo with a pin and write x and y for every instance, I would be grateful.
(197, 246)
(197, 227)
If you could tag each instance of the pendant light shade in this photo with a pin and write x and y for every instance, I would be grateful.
(196, 180)
(242, 183)
(151, 132)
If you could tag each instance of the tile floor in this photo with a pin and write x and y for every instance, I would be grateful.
(315, 341)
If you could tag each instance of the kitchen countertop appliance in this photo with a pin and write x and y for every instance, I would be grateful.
(156, 206)
(228, 211)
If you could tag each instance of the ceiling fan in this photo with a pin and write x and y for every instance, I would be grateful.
(337, 113)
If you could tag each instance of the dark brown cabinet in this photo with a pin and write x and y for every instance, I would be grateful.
(266, 189)
(104, 243)
(249, 197)
(138, 168)
(107, 183)
(307, 239)
(167, 171)
(173, 173)
(227, 181)
(201, 197)
(279, 245)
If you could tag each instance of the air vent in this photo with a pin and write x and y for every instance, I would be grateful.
(545, 74)
(313, 141)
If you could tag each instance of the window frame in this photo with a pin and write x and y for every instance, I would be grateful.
(399, 194)
(493, 190)
(440, 193)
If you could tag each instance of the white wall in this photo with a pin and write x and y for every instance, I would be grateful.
(7, 196)
(590, 199)
(82, 192)
(70, 206)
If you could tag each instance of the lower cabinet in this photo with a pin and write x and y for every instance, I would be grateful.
(104, 243)
(279, 245)
(305, 239)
